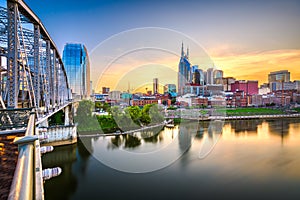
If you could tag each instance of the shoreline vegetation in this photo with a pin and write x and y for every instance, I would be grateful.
(133, 118)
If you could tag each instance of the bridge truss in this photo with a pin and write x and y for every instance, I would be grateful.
(32, 73)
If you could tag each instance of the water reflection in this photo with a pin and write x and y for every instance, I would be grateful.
(63, 157)
(245, 126)
(280, 127)
(73, 159)
(247, 157)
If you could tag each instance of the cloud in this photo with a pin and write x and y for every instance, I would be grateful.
(257, 65)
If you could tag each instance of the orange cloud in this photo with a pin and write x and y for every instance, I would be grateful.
(257, 65)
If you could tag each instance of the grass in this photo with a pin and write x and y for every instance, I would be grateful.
(252, 111)
(297, 109)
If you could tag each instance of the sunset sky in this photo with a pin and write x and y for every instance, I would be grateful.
(246, 39)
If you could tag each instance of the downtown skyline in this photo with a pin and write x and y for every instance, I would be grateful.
(245, 39)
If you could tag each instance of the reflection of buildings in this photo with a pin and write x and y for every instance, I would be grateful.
(76, 62)
(279, 127)
(242, 126)
(186, 132)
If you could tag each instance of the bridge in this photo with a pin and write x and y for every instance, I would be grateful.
(33, 88)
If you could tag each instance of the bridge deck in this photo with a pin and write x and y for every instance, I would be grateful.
(8, 162)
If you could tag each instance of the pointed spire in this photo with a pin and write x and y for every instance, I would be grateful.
(182, 53)
(187, 52)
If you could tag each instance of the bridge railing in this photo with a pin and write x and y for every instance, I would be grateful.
(24, 184)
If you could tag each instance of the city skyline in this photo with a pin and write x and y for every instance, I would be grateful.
(245, 39)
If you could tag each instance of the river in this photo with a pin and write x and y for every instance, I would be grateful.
(248, 159)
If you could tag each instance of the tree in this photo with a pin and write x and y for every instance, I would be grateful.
(155, 114)
(145, 117)
(84, 119)
(135, 114)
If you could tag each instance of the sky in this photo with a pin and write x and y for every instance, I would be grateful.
(245, 39)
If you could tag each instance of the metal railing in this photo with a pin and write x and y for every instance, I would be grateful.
(24, 181)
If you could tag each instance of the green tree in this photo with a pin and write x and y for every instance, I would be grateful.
(145, 117)
(135, 114)
(84, 119)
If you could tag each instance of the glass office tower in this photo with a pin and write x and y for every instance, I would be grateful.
(76, 62)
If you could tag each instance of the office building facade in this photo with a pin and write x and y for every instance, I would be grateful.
(76, 62)
(184, 71)
(279, 76)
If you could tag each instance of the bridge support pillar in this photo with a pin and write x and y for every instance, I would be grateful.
(67, 114)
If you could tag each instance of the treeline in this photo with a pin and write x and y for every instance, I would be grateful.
(129, 118)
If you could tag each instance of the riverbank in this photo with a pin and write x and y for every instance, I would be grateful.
(239, 117)
(143, 128)
(179, 120)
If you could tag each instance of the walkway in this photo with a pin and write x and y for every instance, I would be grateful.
(8, 162)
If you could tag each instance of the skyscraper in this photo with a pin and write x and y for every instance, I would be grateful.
(279, 76)
(76, 62)
(210, 76)
(155, 86)
(184, 71)
(217, 75)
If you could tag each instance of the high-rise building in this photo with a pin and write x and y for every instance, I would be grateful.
(217, 75)
(226, 82)
(279, 76)
(198, 77)
(76, 62)
(210, 76)
(184, 71)
(155, 86)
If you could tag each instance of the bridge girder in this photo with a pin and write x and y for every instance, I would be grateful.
(34, 65)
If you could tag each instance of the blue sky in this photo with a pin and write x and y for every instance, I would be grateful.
(246, 25)
(246, 39)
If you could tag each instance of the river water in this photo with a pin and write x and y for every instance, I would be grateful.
(250, 159)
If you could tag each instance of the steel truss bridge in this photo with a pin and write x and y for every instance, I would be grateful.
(33, 87)
(32, 71)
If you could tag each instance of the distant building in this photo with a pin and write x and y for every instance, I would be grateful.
(101, 97)
(249, 87)
(240, 99)
(168, 88)
(91, 88)
(279, 76)
(126, 97)
(264, 90)
(115, 96)
(217, 74)
(184, 71)
(105, 90)
(210, 76)
(193, 70)
(297, 85)
(155, 86)
(226, 82)
(276, 86)
(198, 77)
(198, 90)
(144, 100)
(76, 62)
